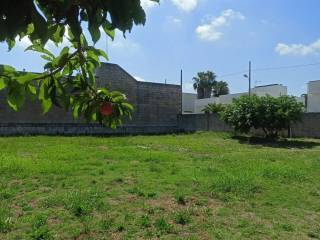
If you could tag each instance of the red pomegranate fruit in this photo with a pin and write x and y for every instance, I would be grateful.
(106, 109)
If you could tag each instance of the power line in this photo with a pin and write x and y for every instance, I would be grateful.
(270, 69)
(285, 67)
(233, 74)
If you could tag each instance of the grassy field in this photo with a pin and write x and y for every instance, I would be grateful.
(199, 186)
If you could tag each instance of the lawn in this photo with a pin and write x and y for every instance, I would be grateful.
(197, 186)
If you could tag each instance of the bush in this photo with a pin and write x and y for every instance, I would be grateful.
(267, 113)
(213, 108)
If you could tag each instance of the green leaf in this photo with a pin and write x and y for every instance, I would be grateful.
(75, 111)
(32, 89)
(108, 29)
(27, 77)
(46, 105)
(128, 106)
(95, 33)
(3, 83)
(57, 37)
(40, 49)
(11, 43)
(103, 54)
(16, 96)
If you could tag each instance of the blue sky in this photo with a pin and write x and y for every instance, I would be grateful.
(217, 35)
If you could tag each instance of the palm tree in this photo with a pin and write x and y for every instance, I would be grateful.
(203, 83)
(220, 88)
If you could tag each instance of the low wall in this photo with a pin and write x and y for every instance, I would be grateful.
(309, 127)
(75, 129)
(202, 122)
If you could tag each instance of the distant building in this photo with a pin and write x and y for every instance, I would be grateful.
(275, 90)
(188, 100)
(313, 96)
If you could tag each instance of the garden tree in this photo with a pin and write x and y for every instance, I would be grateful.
(213, 108)
(203, 83)
(267, 113)
(220, 88)
(68, 79)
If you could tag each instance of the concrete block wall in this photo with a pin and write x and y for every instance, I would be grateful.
(154, 103)
(309, 126)
(156, 109)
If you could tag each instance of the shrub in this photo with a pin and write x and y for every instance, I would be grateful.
(267, 113)
(213, 108)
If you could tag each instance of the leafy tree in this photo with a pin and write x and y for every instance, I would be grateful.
(206, 84)
(203, 83)
(68, 79)
(220, 88)
(267, 113)
(213, 108)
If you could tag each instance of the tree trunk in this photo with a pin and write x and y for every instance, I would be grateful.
(207, 92)
(200, 93)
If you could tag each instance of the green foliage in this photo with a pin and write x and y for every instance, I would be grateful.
(206, 84)
(83, 203)
(213, 108)
(145, 221)
(267, 113)
(203, 83)
(227, 186)
(182, 217)
(220, 88)
(68, 79)
(163, 226)
(6, 220)
(181, 198)
(40, 229)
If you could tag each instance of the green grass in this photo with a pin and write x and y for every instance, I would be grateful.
(197, 186)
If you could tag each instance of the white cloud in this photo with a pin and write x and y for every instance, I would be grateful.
(148, 4)
(298, 49)
(174, 20)
(123, 43)
(185, 5)
(212, 31)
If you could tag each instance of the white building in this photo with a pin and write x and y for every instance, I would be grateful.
(274, 90)
(188, 101)
(311, 99)
(313, 96)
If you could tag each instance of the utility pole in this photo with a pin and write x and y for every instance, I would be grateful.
(249, 78)
(181, 93)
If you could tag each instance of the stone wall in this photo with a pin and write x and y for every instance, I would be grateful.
(309, 127)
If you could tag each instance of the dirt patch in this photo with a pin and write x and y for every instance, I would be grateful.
(102, 148)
